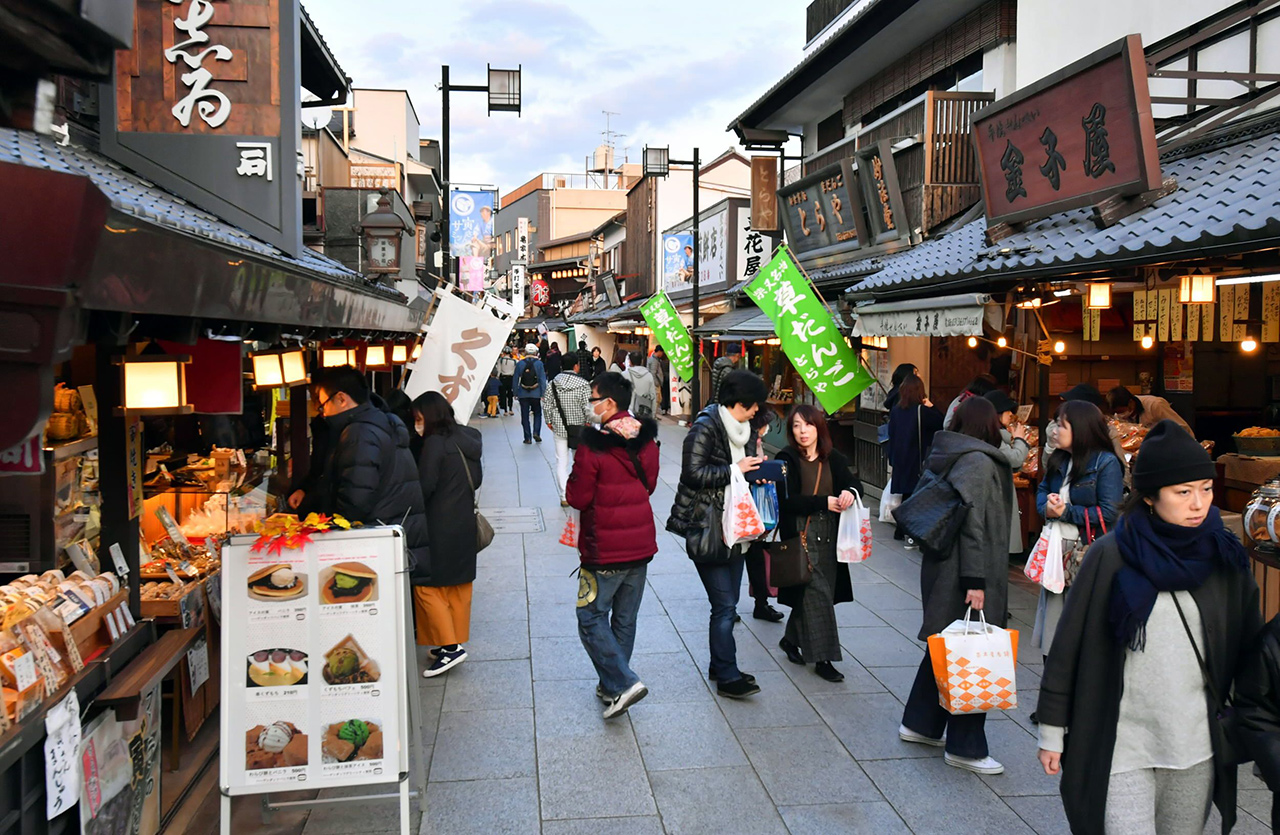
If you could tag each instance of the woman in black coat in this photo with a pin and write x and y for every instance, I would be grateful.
(820, 484)
(450, 472)
(912, 424)
(1257, 701)
(1125, 713)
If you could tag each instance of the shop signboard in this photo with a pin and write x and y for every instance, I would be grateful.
(520, 265)
(822, 213)
(26, 458)
(315, 673)
(207, 104)
(460, 348)
(809, 335)
(661, 317)
(1071, 139)
(880, 193)
(764, 194)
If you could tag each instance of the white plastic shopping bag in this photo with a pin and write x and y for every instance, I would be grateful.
(853, 539)
(888, 504)
(572, 523)
(1044, 565)
(741, 520)
(974, 665)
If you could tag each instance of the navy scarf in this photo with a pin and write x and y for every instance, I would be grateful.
(1160, 557)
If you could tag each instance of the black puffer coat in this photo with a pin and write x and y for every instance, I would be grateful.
(451, 516)
(1257, 701)
(706, 468)
(371, 476)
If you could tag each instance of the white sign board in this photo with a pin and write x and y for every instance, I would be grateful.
(951, 321)
(314, 685)
(461, 346)
(518, 282)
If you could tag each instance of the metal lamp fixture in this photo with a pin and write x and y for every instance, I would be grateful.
(1099, 297)
(382, 229)
(1196, 289)
(154, 383)
(504, 90)
(657, 162)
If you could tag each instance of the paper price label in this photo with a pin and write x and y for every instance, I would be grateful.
(173, 575)
(62, 755)
(198, 665)
(117, 557)
(171, 526)
(73, 651)
(24, 671)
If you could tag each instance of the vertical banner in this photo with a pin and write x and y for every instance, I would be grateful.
(135, 463)
(677, 262)
(1095, 324)
(471, 224)
(461, 346)
(471, 271)
(1207, 318)
(661, 316)
(764, 194)
(1175, 315)
(1271, 311)
(809, 335)
(1086, 323)
(1241, 311)
(1226, 312)
(1162, 322)
(521, 265)
(1193, 322)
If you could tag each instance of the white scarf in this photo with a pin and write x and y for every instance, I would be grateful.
(739, 433)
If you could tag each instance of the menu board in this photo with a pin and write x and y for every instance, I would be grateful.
(313, 663)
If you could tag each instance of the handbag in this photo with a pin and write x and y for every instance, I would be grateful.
(774, 471)
(572, 432)
(765, 495)
(934, 513)
(484, 531)
(1226, 731)
(789, 563)
(1075, 558)
(975, 670)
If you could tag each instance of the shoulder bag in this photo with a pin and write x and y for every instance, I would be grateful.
(789, 562)
(1225, 730)
(484, 531)
(1075, 558)
(572, 431)
(934, 512)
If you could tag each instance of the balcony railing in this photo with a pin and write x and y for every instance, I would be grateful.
(948, 148)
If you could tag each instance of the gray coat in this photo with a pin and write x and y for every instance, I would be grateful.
(1015, 452)
(978, 559)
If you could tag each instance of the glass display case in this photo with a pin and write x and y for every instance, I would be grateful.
(1261, 515)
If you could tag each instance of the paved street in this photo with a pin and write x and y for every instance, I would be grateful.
(517, 745)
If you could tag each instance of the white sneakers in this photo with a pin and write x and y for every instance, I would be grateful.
(620, 703)
(907, 735)
(986, 765)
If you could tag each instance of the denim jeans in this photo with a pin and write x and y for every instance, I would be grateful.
(966, 735)
(723, 582)
(607, 639)
(528, 404)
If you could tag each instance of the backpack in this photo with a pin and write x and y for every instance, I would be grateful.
(529, 377)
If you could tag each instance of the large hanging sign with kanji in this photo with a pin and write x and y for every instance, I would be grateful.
(461, 346)
(1071, 139)
(661, 316)
(809, 335)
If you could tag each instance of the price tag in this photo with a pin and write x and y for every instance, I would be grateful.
(240, 462)
(213, 589)
(126, 616)
(24, 671)
(171, 526)
(73, 651)
(117, 557)
(198, 665)
(81, 558)
(112, 627)
(173, 575)
(62, 755)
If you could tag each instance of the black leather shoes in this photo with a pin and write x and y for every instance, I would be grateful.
(766, 612)
(830, 673)
(792, 651)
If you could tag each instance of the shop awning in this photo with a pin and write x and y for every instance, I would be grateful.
(553, 323)
(960, 315)
(747, 323)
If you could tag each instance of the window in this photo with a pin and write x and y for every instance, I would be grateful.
(831, 130)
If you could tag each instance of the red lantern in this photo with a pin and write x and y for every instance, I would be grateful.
(541, 292)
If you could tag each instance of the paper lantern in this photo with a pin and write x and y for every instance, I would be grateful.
(155, 384)
(541, 292)
(375, 356)
(1196, 289)
(334, 357)
(399, 354)
(1099, 296)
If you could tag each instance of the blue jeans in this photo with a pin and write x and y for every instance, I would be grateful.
(528, 404)
(723, 582)
(610, 640)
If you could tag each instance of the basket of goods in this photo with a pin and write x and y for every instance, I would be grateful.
(1130, 435)
(1258, 440)
(66, 400)
(63, 426)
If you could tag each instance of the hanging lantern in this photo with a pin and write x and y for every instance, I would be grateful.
(353, 357)
(540, 292)
(293, 365)
(375, 356)
(399, 354)
(335, 357)
(1059, 347)
(267, 372)
(1250, 343)
(417, 351)
(154, 383)
(1099, 297)
(973, 342)
(1196, 289)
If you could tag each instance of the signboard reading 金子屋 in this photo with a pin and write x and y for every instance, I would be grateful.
(809, 335)
(661, 316)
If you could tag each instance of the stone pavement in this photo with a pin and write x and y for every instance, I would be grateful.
(516, 743)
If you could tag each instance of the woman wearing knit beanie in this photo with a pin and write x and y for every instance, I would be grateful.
(1127, 709)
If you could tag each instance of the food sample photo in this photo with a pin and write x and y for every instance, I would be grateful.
(278, 745)
(350, 741)
(277, 668)
(348, 582)
(277, 582)
(347, 663)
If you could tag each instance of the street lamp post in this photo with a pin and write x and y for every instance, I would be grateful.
(657, 163)
(503, 89)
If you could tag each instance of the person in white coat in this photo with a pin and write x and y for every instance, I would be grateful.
(644, 391)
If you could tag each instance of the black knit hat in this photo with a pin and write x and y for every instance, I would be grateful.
(1086, 392)
(1169, 455)
(1002, 401)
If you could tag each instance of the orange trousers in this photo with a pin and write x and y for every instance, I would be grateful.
(442, 615)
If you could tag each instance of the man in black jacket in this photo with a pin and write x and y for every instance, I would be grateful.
(369, 475)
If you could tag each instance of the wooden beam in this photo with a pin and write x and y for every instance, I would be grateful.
(1113, 209)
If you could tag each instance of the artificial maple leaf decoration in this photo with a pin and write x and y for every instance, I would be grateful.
(284, 530)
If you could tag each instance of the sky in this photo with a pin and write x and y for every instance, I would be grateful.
(675, 72)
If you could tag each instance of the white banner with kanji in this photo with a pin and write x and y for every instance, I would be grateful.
(459, 351)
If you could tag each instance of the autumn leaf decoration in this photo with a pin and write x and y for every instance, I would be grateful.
(284, 530)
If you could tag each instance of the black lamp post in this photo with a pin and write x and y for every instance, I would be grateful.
(503, 89)
(657, 163)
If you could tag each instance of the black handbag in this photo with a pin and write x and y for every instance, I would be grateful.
(789, 562)
(934, 513)
(771, 470)
(572, 432)
(1226, 731)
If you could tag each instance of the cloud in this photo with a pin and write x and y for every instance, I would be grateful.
(676, 72)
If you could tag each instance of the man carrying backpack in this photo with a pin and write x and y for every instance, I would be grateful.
(531, 384)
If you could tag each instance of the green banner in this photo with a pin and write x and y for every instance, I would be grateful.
(809, 335)
(671, 334)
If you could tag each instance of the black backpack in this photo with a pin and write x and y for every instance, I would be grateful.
(529, 377)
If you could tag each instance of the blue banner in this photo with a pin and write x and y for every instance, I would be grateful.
(471, 224)
(677, 261)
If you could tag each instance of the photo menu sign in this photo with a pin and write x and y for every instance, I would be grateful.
(313, 655)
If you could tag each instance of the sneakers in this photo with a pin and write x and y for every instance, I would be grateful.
(712, 676)
(740, 689)
(907, 735)
(564, 503)
(445, 661)
(911, 545)
(620, 703)
(827, 671)
(527, 441)
(603, 696)
(538, 438)
(792, 651)
(767, 612)
(985, 765)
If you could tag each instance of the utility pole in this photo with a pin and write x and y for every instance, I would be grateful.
(697, 276)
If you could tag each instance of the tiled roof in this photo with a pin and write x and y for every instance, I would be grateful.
(1228, 198)
(149, 203)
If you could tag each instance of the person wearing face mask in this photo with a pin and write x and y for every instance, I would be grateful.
(1161, 616)
(717, 443)
(615, 471)
(449, 471)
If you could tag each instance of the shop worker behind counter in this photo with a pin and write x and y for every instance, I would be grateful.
(369, 475)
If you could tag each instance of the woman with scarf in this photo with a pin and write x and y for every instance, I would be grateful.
(717, 443)
(1128, 704)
